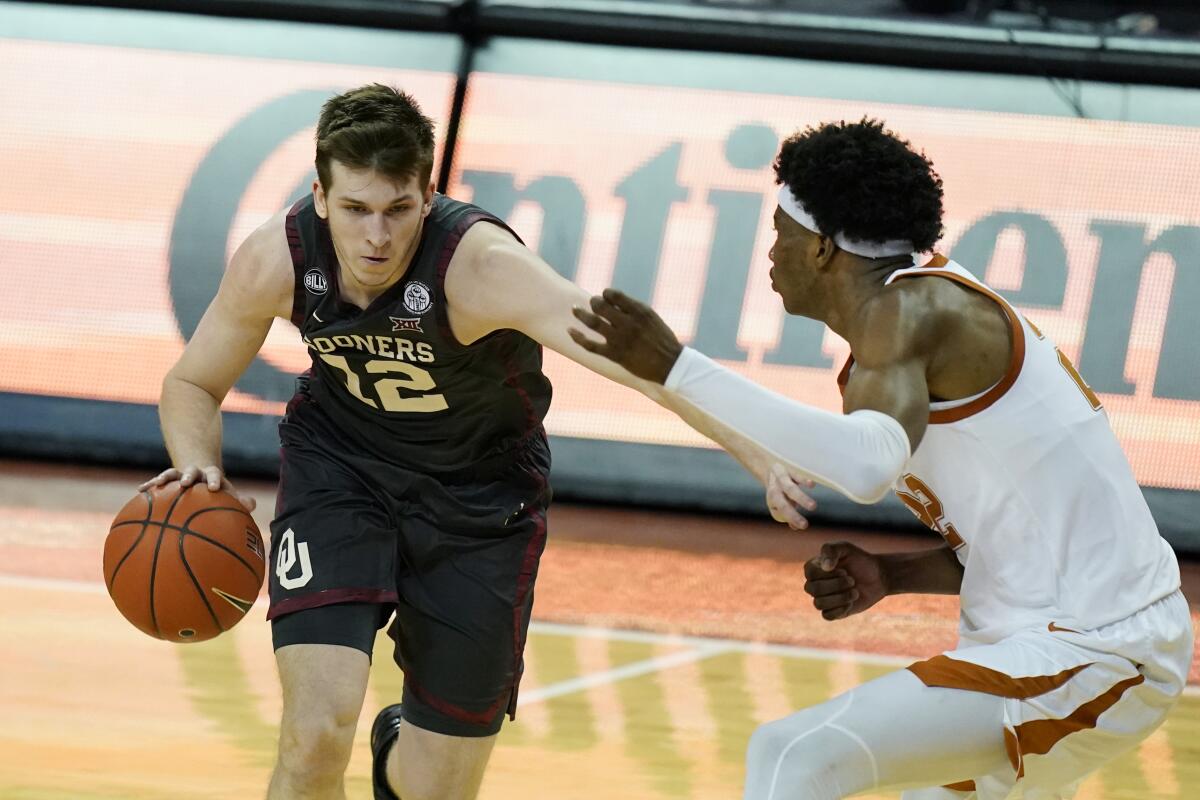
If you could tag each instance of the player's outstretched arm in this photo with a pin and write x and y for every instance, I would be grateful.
(494, 283)
(256, 288)
(859, 453)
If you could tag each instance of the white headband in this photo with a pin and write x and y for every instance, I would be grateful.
(895, 247)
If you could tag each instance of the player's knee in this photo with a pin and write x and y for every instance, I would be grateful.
(316, 748)
(779, 751)
(769, 742)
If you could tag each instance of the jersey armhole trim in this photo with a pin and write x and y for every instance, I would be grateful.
(296, 247)
(990, 396)
(1016, 361)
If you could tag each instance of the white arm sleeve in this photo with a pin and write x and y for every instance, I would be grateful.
(859, 454)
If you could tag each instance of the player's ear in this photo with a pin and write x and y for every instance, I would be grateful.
(428, 199)
(319, 200)
(823, 250)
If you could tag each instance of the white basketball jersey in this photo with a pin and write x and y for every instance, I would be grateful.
(1028, 483)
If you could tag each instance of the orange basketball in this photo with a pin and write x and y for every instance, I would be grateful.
(184, 565)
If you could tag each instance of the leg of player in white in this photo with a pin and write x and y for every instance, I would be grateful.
(892, 731)
(1041, 709)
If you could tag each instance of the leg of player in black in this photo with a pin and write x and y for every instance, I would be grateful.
(332, 586)
(465, 602)
(323, 689)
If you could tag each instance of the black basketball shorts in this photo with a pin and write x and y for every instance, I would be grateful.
(456, 564)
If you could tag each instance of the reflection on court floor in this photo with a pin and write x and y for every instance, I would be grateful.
(94, 710)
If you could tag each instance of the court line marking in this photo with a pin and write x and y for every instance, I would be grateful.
(725, 646)
(624, 672)
(740, 645)
(583, 631)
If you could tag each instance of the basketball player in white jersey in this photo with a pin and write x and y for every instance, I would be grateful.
(1075, 640)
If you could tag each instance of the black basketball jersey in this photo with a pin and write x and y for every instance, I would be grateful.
(392, 381)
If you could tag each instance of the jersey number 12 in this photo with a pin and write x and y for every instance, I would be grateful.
(387, 389)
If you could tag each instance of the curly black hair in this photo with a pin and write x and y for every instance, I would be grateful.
(864, 182)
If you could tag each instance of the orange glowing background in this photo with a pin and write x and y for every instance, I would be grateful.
(96, 161)
(1067, 170)
(92, 184)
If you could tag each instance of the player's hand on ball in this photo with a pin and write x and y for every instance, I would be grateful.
(843, 580)
(212, 475)
(785, 497)
(635, 336)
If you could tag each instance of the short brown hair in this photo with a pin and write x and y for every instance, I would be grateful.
(375, 127)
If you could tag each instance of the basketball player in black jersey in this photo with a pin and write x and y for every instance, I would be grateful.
(413, 478)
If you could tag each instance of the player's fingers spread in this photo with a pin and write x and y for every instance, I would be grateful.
(605, 309)
(248, 502)
(619, 299)
(597, 304)
(587, 318)
(792, 517)
(213, 477)
(161, 479)
(795, 519)
(797, 495)
(188, 476)
(626, 305)
(779, 506)
(783, 509)
(583, 341)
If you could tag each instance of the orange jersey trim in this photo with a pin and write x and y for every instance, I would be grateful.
(988, 398)
(945, 415)
(951, 673)
(1032, 738)
(1038, 736)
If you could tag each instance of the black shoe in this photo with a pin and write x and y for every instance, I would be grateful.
(383, 733)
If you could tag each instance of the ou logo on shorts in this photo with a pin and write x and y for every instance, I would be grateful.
(289, 553)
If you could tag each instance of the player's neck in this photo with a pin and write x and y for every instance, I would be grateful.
(351, 291)
(853, 287)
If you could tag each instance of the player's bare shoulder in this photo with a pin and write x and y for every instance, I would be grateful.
(962, 334)
(903, 321)
(260, 276)
(479, 247)
(485, 269)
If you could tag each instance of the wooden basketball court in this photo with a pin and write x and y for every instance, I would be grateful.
(660, 642)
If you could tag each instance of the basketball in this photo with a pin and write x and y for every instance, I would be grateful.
(183, 565)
